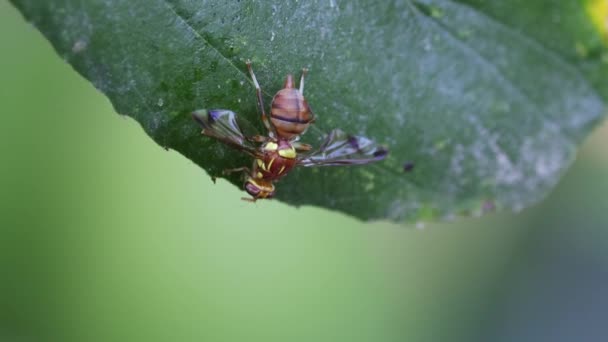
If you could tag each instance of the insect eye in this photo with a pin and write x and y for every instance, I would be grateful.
(252, 189)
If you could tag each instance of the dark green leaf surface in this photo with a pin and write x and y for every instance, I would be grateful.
(487, 99)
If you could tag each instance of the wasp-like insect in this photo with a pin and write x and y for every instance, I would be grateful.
(280, 151)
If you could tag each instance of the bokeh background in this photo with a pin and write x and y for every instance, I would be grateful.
(105, 236)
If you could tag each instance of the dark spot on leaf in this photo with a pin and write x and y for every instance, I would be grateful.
(164, 86)
(408, 166)
(234, 84)
(381, 153)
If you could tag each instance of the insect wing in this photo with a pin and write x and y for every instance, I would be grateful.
(340, 148)
(221, 124)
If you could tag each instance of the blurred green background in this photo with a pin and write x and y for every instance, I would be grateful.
(105, 236)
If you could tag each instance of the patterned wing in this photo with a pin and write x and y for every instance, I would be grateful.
(340, 148)
(221, 124)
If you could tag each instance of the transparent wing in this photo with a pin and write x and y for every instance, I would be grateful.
(340, 148)
(221, 124)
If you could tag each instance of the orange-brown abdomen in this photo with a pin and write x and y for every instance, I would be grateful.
(289, 111)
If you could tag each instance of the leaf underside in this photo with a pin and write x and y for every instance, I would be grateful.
(481, 103)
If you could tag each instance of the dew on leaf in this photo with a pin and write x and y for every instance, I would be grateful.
(436, 12)
(79, 46)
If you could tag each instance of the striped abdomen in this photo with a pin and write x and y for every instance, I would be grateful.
(290, 113)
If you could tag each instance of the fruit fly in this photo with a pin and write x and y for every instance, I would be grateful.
(279, 151)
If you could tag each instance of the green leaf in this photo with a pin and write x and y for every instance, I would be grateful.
(487, 100)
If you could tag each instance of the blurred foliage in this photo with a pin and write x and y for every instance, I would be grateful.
(114, 238)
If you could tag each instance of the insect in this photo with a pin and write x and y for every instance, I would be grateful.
(278, 152)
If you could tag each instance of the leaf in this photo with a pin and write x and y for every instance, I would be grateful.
(481, 103)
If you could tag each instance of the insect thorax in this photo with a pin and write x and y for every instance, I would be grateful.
(278, 158)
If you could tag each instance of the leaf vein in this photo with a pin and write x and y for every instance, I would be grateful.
(507, 83)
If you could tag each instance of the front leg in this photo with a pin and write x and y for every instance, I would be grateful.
(301, 147)
(258, 139)
(243, 169)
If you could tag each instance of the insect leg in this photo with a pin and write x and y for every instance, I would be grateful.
(258, 91)
(304, 72)
(243, 169)
(258, 138)
(301, 147)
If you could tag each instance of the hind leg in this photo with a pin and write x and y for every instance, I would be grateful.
(304, 72)
(258, 91)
